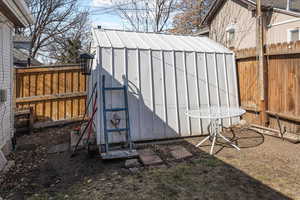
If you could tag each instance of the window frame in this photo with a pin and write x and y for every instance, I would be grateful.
(231, 29)
(289, 39)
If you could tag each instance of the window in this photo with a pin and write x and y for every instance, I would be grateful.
(293, 35)
(294, 5)
(230, 31)
(231, 35)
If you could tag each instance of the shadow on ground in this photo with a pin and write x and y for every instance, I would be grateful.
(38, 175)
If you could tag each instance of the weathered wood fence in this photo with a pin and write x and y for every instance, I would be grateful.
(54, 92)
(283, 85)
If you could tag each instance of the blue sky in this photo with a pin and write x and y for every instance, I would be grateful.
(109, 20)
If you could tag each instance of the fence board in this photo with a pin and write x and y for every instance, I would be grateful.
(283, 64)
(54, 92)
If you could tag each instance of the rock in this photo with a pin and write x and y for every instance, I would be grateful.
(89, 181)
(132, 163)
(26, 147)
(115, 173)
(9, 165)
(3, 161)
(58, 148)
(148, 157)
(243, 122)
(134, 170)
(179, 152)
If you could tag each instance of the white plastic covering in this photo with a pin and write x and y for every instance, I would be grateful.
(166, 76)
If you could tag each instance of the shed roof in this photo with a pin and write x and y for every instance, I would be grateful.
(155, 41)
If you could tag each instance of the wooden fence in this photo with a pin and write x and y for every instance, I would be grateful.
(283, 85)
(54, 92)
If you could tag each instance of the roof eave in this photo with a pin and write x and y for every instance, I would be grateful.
(287, 12)
(213, 8)
(217, 5)
(17, 12)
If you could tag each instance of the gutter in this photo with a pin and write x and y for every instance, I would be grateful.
(284, 22)
(24, 10)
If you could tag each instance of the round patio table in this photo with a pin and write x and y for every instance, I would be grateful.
(215, 114)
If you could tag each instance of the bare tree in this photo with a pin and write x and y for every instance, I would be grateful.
(146, 15)
(67, 46)
(54, 18)
(188, 19)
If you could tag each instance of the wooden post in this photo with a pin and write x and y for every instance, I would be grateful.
(260, 26)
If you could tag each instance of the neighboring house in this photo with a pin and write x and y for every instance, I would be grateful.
(233, 22)
(21, 53)
(13, 14)
(22, 45)
(21, 57)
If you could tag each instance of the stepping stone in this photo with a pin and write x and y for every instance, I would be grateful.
(59, 148)
(164, 149)
(132, 163)
(161, 166)
(148, 157)
(179, 152)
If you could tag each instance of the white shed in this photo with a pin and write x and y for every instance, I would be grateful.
(166, 75)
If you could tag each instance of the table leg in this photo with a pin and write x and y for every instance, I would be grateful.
(229, 142)
(213, 144)
(203, 141)
(214, 131)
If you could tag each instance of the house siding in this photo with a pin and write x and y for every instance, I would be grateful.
(6, 82)
(277, 34)
(236, 13)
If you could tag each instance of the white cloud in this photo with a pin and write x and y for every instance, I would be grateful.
(99, 3)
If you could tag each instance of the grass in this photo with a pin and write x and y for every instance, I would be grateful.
(205, 177)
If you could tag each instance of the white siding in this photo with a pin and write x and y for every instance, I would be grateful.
(6, 117)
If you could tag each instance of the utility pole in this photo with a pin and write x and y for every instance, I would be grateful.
(260, 26)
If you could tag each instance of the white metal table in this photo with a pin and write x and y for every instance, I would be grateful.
(215, 114)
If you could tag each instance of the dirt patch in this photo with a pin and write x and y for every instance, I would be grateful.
(35, 170)
(265, 168)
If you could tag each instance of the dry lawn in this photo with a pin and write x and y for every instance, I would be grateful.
(265, 168)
